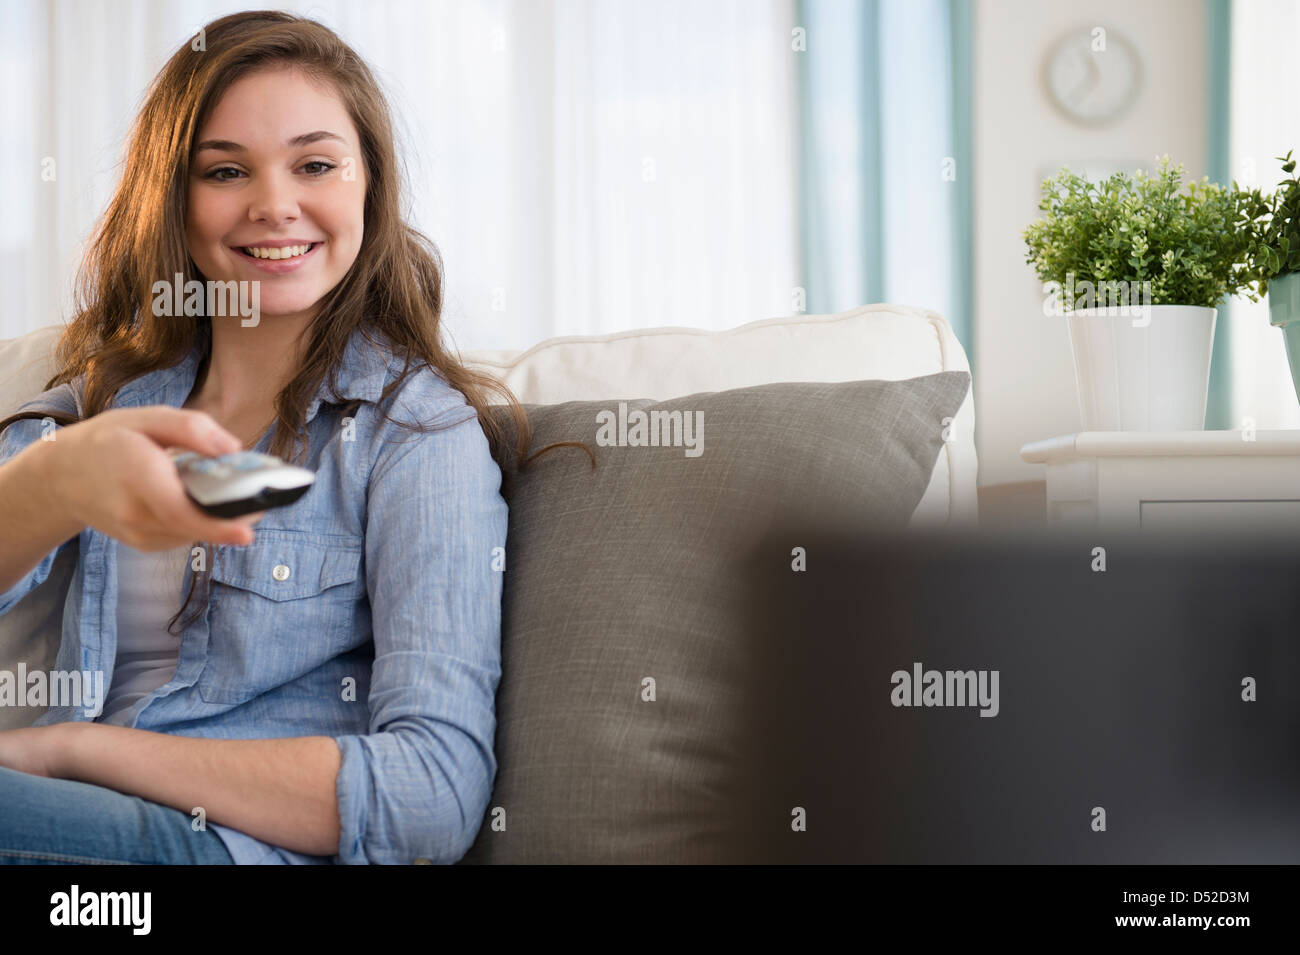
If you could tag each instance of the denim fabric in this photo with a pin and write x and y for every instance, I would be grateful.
(368, 611)
(111, 828)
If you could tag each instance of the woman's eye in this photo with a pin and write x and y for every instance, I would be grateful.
(216, 176)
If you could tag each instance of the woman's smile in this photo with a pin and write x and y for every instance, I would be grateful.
(278, 259)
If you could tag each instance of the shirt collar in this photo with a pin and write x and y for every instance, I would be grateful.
(362, 374)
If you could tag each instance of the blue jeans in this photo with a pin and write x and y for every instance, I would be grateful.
(47, 821)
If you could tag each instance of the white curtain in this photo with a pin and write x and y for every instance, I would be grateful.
(1264, 124)
(882, 182)
(585, 166)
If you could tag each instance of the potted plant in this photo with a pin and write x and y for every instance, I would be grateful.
(1138, 263)
(1278, 260)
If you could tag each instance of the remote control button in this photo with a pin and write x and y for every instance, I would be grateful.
(248, 460)
(281, 572)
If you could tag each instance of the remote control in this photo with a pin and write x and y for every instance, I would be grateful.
(241, 482)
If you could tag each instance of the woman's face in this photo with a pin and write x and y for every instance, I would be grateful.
(276, 165)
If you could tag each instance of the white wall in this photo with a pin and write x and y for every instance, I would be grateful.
(1024, 381)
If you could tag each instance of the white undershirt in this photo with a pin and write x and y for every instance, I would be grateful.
(150, 589)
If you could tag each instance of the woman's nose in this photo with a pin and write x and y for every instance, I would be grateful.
(274, 199)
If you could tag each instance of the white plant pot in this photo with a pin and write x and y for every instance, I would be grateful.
(1142, 377)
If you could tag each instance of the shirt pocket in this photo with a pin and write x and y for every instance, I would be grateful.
(281, 607)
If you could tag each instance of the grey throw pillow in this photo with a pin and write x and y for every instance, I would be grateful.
(623, 627)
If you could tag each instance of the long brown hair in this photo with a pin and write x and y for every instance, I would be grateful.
(394, 286)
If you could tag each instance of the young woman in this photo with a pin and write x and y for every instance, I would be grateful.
(331, 696)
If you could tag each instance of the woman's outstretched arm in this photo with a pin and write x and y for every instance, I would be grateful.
(34, 524)
(109, 472)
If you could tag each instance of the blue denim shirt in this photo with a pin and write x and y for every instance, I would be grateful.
(368, 611)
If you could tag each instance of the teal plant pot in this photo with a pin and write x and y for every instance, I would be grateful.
(1284, 312)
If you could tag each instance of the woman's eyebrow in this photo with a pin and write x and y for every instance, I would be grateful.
(305, 139)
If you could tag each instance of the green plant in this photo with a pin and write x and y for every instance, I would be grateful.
(1278, 252)
(1195, 246)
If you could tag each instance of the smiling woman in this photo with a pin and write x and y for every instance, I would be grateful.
(262, 185)
(331, 698)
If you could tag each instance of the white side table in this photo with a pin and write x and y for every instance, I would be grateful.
(1172, 480)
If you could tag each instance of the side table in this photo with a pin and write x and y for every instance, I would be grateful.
(1212, 481)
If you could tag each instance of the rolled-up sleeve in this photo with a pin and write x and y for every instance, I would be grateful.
(418, 784)
(13, 440)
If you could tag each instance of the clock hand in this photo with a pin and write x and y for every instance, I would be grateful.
(1092, 77)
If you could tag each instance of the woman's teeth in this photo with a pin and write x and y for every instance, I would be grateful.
(288, 252)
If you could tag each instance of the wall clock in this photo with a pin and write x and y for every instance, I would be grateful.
(1092, 75)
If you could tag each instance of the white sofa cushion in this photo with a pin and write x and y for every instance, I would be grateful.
(888, 342)
(26, 364)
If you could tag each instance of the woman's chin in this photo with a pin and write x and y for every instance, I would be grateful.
(277, 311)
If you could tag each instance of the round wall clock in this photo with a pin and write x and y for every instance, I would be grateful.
(1092, 75)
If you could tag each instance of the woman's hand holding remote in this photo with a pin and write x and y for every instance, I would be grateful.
(113, 472)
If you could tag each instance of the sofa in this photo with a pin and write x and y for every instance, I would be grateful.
(621, 599)
(871, 342)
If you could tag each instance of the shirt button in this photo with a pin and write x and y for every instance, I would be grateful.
(281, 572)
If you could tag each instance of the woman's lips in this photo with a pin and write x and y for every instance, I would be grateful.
(280, 266)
